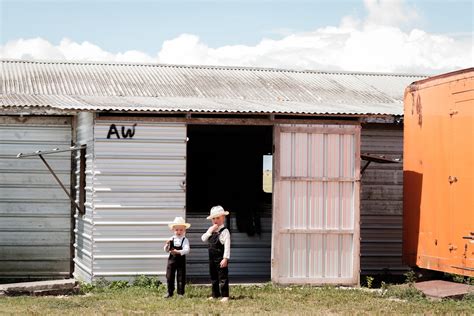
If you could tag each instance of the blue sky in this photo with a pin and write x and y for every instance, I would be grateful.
(144, 25)
(354, 35)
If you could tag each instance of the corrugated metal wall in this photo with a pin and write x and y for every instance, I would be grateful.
(138, 189)
(316, 208)
(382, 202)
(35, 214)
(83, 231)
(135, 187)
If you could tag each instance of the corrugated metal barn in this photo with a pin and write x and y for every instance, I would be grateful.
(164, 141)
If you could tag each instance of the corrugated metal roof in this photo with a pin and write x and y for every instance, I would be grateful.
(154, 87)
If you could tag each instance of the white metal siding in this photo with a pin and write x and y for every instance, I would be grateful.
(316, 221)
(138, 189)
(83, 232)
(35, 214)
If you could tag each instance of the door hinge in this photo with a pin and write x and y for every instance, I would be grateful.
(452, 179)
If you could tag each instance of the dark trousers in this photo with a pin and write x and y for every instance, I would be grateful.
(219, 279)
(176, 265)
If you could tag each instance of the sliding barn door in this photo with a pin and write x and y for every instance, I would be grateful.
(316, 204)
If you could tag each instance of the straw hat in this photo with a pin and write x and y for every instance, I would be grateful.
(179, 221)
(217, 211)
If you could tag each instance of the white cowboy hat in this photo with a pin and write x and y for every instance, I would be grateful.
(217, 211)
(179, 221)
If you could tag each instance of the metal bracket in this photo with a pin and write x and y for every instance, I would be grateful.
(82, 150)
(375, 158)
(365, 167)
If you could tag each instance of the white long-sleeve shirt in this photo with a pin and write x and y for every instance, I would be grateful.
(224, 238)
(177, 241)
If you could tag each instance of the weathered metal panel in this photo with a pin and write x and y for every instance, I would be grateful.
(438, 173)
(316, 204)
(138, 188)
(35, 214)
(382, 202)
(154, 87)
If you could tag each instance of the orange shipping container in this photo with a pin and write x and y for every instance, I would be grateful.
(439, 173)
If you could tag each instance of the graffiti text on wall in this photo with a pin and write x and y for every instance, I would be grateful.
(128, 133)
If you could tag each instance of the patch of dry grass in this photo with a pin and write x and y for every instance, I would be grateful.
(265, 299)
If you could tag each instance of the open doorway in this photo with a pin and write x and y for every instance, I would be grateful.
(231, 166)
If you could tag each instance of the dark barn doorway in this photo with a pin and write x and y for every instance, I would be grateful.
(231, 166)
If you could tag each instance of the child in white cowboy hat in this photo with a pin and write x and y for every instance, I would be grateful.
(178, 247)
(218, 240)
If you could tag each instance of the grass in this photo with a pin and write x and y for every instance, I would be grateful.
(265, 299)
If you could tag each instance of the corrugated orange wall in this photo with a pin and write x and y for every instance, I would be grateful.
(439, 173)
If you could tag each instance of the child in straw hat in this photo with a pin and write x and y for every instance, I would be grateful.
(178, 247)
(218, 240)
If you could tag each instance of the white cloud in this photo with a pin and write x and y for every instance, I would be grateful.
(378, 43)
(38, 48)
(389, 12)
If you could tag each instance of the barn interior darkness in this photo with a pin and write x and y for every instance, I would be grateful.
(225, 167)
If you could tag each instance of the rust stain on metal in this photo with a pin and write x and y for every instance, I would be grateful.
(419, 109)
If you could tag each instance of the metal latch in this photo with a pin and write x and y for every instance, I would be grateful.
(452, 179)
(453, 112)
(471, 237)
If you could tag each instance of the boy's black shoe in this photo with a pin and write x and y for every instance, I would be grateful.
(168, 295)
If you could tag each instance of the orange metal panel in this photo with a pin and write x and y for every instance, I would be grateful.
(439, 173)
